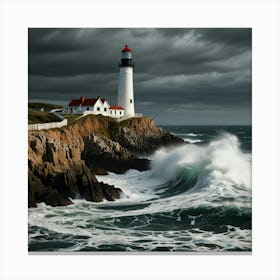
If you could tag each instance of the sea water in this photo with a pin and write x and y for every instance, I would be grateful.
(196, 198)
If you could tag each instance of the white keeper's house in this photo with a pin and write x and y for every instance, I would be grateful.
(94, 106)
(125, 107)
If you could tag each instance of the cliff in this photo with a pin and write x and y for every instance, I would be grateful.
(62, 163)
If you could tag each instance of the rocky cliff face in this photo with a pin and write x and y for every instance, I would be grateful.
(141, 136)
(62, 163)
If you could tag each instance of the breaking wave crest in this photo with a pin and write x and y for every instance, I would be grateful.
(194, 198)
(220, 165)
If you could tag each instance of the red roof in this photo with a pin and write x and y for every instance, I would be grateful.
(126, 48)
(87, 102)
(75, 102)
(116, 107)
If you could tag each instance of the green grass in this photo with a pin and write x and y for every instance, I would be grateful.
(91, 116)
(71, 119)
(35, 117)
(45, 106)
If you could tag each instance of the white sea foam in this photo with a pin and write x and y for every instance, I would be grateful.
(137, 186)
(224, 172)
(194, 134)
(189, 134)
(192, 141)
(221, 159)
(194, 239)
(190, 137)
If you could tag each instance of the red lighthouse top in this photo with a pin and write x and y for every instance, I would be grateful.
(126, 48)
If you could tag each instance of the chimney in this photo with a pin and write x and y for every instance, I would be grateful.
(82, 99)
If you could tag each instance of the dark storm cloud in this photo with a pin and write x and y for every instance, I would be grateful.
(230, 36)
(176, 70)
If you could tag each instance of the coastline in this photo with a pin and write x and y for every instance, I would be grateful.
(62, 163)
(193, 199)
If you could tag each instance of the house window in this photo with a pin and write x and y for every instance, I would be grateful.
(87, 108)
(120, 112)
(105, 109)
(111, 112)
(115, 112)
(98, 108)
(130, 100)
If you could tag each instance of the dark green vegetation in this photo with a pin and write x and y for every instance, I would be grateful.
(35, 117)
(40, 113)
(71, 119)
(47, 107)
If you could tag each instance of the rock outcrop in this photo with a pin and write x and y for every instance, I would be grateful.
(62, 163)
(141, 136)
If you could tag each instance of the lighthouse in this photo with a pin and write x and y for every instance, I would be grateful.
(125, 89)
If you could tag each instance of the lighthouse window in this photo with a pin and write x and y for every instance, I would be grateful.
(130, 100)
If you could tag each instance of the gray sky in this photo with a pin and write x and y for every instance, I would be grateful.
(181, 76)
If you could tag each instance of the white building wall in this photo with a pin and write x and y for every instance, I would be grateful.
(106, 111)
(125, 91)
(86, 108)
(93, 109)
(98, 107)
(115, 113)
(75, 109)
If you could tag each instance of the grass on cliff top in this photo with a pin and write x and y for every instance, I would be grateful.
(47, 107)
(99, 117)
(35, 117)
(105, 119)
(109, 124)
(71, 119)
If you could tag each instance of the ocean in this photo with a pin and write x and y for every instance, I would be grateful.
(197, 197)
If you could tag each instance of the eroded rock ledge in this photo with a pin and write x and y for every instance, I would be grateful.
(62, 163)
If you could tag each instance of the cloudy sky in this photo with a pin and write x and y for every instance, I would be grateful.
(181, 76)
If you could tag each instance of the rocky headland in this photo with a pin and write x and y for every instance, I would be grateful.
(62, 163)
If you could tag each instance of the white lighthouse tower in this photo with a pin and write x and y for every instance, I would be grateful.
(125, 89)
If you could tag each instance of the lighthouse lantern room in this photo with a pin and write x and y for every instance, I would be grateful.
(125, 89)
